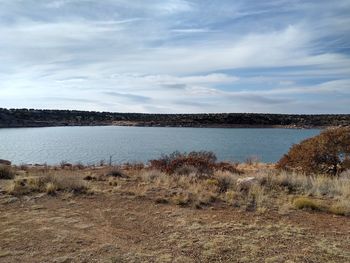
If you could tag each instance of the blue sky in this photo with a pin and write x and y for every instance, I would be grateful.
(172, 56)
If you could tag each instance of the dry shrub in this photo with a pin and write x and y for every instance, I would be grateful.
(327, 153)
(256, 197)
(68, 183)
(116, 172)
(19, 187)
(228, 167)
(150, 175)
(231, 197)
(186, 170)
(203, 161)
(182, 199)
(225, 181)
(203, 164)
(6, 172)
(289, 181)
(51, 188)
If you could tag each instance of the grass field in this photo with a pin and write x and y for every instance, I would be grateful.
(133, 213)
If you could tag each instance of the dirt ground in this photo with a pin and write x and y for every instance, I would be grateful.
(123, 227)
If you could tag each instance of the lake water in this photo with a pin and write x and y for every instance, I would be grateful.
(91, 144)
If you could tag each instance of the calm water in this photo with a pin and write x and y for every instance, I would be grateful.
(92, 144)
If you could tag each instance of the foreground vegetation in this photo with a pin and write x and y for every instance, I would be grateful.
(327, 153)
(137, 213)
(192, 180)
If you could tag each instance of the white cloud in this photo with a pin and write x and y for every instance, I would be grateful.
(192, 30)
(174, 6)
(210, 56)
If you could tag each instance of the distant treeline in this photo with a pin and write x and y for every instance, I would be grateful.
(43, 118)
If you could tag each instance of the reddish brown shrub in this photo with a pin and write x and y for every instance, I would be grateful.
(199, 163)
(203, 161)
(327, 153)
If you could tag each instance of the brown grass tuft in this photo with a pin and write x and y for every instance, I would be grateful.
(49, 183)
(306, 203)
(6, 172)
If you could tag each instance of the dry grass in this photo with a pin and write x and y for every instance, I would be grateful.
(6, 172)
(267, 189)
(255, 190)
(48, 183)
(306, 203)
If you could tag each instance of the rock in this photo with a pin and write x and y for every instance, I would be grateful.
(67, 166)
(4, 162)
(245, 183)
(90, 178)
(11, 200)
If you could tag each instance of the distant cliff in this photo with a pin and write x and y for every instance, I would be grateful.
(45, 118)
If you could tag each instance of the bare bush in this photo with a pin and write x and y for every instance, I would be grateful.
(203, 161)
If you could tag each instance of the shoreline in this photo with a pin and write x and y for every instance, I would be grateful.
(143, 125)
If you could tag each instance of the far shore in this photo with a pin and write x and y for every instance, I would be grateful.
(16, 118)
(151, 125)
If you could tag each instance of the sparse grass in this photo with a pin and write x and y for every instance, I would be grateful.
(6, 172)
(268, 189)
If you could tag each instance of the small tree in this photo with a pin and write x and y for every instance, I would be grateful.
(327, 153)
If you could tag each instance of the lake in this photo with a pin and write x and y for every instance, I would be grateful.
(128, 144)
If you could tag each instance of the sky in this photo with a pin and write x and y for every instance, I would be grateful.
(176, 56)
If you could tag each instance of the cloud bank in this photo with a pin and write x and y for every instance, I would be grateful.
(176, 56)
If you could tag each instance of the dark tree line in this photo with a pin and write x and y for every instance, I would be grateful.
(40, 118)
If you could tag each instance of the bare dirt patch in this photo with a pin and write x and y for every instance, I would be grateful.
(125, 228)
